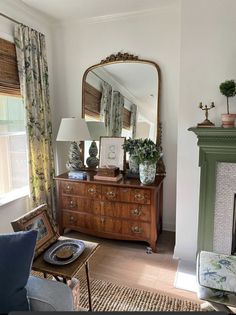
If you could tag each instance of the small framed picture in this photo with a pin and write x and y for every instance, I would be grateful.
(111, 152)
(39, 220)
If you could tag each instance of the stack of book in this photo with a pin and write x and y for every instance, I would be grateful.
(109, 173)
(77, 175)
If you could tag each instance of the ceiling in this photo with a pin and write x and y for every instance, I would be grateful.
(82, 9)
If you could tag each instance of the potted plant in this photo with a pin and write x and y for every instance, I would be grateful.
(130, 147)
(228, 89)
(147, 153)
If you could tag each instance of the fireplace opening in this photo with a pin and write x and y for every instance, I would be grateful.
(233, 251)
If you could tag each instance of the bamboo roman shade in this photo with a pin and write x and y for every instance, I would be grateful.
(126, 118)
(9, 79)
(92, 100)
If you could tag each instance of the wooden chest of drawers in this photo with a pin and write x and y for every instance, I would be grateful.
(125, 210)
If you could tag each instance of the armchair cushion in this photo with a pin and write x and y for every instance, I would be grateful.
(217, 271)
(49, 295)
(16, 255)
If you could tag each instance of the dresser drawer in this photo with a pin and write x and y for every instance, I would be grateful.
(72, 188)
(81, 204)
(140, 196)
(110, 193)
(72, 219)
(126, 210)
(110, 225)
(136, 229)
(93, 191)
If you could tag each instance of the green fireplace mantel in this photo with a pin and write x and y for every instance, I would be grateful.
(215, 145)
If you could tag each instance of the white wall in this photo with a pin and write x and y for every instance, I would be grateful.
(155, 36)
(208, 50)
(31, 18)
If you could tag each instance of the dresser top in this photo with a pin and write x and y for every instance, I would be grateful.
(129, 182)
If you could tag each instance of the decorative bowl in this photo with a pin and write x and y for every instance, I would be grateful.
(64, 252)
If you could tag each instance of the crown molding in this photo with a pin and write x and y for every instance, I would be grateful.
(113, 17)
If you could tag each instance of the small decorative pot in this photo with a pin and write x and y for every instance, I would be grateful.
(228, 120)
(133, 165)
(147, 172)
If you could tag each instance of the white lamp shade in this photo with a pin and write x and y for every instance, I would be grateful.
(96, 129)
(73, 129)
(142, 130)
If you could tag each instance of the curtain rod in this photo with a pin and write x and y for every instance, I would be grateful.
(9, 18)
(15, 21)
(107, 82)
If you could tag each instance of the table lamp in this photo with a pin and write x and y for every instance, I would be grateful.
(74, 130)
(96, 130)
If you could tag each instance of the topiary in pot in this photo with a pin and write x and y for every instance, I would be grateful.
(228, 89)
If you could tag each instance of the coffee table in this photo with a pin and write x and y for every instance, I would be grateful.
(67, 272)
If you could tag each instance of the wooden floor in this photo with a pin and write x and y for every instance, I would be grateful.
(127, 263)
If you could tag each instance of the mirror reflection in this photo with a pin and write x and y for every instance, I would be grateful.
(122, 94)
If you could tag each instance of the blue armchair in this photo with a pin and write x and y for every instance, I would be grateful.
(49, 295)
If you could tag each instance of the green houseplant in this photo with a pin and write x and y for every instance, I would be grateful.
(147, 153)
(228, 89)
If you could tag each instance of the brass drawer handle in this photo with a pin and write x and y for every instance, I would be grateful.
(136, 229)
(139, 196)
(72, 204)
(111, 194)
(91, 190)
(102, 220)
(136, 212)
(72, 219)
(68, 189)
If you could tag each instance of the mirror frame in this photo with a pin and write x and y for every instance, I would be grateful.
(129, 58)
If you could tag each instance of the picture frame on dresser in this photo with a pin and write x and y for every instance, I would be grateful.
(38, 219)
(111, 152)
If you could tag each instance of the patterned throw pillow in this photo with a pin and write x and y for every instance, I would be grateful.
(16, 255)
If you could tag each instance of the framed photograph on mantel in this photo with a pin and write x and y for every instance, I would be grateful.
(111, 152)
(39, 220)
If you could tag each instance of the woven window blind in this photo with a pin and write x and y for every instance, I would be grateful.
(92, 100)
(126, 118)
(9, 79)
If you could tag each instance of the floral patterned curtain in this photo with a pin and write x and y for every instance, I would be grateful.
(33, 74)
(117, 113)
(105, 111)
(133, 119)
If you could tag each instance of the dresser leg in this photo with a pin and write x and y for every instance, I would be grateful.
(153, 245)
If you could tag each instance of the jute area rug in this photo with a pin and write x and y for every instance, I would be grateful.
(107, 296)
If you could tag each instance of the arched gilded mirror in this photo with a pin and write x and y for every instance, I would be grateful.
(132, 81)
(123, 91)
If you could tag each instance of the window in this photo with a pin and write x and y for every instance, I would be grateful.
(13, 146)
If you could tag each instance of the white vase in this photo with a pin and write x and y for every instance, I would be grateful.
(147, 172)
(133, 165)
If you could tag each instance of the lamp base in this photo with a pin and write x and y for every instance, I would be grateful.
(74, 163)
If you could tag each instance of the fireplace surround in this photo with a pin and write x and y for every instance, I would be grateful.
(216, 146)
